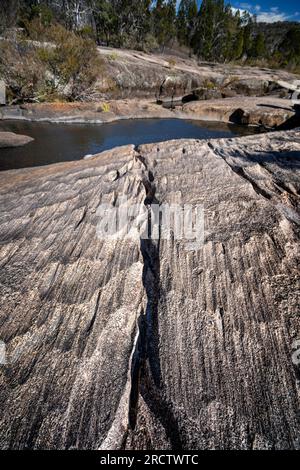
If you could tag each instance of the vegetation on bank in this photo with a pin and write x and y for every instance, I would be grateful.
(67, 62)
(214, 31)
(60, 64)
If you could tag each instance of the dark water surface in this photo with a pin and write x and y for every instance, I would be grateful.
(63, 142)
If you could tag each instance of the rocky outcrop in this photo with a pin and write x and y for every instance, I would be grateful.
(264, 111)
(267, 112)
(133, 82)
(149, 344)
(2, 93)
(98, 112)
(137, 74)
(10, 139)
(247, 86)
(134, 73)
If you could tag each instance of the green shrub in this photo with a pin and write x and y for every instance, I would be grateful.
(68, 65)
(87, 32)
(22, 71)
(150, 43)
(36, 21)
(74, 60)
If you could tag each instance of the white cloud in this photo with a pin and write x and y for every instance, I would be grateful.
(272, 17)
(245, 6)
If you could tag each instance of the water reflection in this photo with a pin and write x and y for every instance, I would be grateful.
(62, 142)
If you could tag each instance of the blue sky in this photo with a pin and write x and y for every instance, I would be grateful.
(271, 10)
(267, 10)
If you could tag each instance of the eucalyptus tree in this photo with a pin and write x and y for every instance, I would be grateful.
(8, 13)
(186, 21)
(210, 31)
(164, 21)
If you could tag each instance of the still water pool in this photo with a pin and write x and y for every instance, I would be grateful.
(63, 142)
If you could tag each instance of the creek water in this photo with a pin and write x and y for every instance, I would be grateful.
(64, 142)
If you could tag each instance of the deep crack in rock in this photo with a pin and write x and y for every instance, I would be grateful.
(142, 344)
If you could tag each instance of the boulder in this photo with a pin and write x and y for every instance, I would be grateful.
(207, 93)
(10, 139)
(265, 111)
(249, 86)
(228, 93)
(175, 85)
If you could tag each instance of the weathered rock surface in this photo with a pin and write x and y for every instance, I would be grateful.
(266, 111)
(98, 112)
(146, 78)
(144, 344)
(10, 139)
(132, 73)
(2, 92)
(247, 86)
